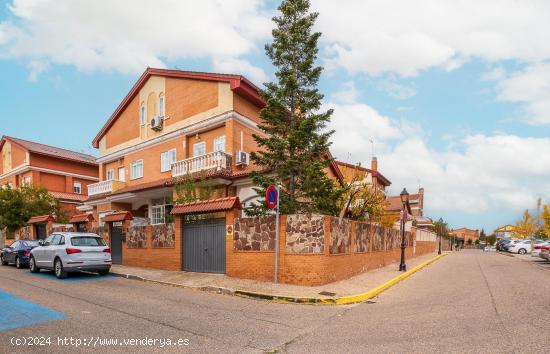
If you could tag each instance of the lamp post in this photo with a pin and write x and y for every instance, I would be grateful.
(404, 214)
(440, 227)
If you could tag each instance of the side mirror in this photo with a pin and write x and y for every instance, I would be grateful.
(41, 242)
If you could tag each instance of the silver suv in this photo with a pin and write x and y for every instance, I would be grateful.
(67, 252)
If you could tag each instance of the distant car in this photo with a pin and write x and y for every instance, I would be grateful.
(18, 253)
(69, 252)
(536, 250)
(487, 249)
(501, 243)
(521, 247)
(545, 252)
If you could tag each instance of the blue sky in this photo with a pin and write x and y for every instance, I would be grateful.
(455, 97)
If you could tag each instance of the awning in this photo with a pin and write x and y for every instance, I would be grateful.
(119, 216)
(78, 218)
(41, 218)
(207, 206)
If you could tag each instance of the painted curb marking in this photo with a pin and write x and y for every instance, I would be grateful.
(343, 300)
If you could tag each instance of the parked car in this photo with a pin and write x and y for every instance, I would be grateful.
(69, 252)
(18, 253)
(536, 250)
(545, 252)
(512, 242)
(521, 247)
(501, 243)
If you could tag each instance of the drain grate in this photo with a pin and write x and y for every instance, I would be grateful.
(327, 293)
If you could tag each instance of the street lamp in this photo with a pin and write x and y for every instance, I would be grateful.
(404, 213)
(440, 229)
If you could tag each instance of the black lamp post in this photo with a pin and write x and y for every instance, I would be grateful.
(404, 214)
(440, 227)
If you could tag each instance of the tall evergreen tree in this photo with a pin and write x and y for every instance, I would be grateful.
(295, 145)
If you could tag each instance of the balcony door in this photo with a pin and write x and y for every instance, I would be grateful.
(199, 149)
(121, 174)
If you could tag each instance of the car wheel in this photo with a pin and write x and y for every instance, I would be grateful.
(2, 260)
(32, 266)
(60, 272)
(18, 264)
(522, 251)
(104, 272)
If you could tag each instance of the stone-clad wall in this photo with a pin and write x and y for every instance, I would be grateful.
(23, 233)
(377, 238)
(102, 231)
(164, 236)
(254, 234)
(305, 234)
(340, 235)
(136, 237)
(363, 232)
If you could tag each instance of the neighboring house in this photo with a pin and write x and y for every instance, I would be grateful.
(416, 201)
(359, 173)
(64, 173)
(465, 235)
(504, 231)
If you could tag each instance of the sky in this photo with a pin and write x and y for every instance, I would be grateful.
(453, 96)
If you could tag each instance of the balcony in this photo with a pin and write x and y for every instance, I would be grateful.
(105, 187)
(218, 160)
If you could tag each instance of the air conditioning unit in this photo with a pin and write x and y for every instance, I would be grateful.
(242, 158)
(156, 123)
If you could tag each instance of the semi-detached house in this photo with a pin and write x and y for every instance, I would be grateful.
(172, 124)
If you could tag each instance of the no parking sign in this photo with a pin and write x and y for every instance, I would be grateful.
(271, 196)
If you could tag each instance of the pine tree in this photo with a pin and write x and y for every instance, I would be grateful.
(295, 146)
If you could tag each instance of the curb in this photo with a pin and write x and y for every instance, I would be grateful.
(304, 300)
(212, 289)
(343, 300)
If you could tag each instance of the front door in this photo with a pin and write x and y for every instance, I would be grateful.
(204, 246)
(40, 231)
(116, 244)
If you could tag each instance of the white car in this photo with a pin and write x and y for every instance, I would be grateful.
(68, 252)
(521, 247)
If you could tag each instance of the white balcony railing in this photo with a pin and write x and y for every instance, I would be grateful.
(104, 187)
(215, 160)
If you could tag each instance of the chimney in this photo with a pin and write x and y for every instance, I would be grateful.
(374, 168)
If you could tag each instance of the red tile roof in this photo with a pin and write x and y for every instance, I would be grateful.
(383, 180)
(69, 196)
(119, 216)
(81, 218)
(51, 150)
(40, 218)
(393, 203)
(207, 206)
(237, 83)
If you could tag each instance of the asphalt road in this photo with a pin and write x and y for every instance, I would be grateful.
(467, 302)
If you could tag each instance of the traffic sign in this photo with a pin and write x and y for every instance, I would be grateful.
(271, 196)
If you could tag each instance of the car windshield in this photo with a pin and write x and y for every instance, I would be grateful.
(30, 244)
(87, 241)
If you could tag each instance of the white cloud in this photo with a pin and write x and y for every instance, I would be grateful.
(241, 66)
(348, 93)
(406, 37)
(129, 35)
(531, 87)
(395, 89)
(476, 173)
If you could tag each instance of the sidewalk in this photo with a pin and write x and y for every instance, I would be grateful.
(221, 283)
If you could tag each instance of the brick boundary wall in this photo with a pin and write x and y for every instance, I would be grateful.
(322, 268)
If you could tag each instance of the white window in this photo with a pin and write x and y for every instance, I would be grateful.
(161, 106)
(158, 210)
(26, 181)
(121, 174)
(142, 114)
(110, 174)
(167, 158)
(219, 143)
(136, 169)
(77, 187)
(199, 149)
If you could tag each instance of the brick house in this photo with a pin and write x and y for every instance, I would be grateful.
(465, 235)
(64, 173)
(358, 172)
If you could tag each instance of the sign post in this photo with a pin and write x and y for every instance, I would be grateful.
(272, 201)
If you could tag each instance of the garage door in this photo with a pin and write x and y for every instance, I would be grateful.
(204, 246)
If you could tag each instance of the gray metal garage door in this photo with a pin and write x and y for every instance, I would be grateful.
(204, 246)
